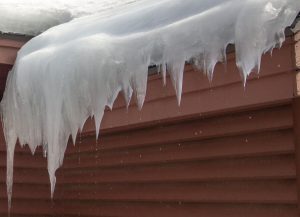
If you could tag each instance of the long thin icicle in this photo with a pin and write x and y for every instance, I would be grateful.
(73, 71)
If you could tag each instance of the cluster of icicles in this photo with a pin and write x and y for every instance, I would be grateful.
(73, 71)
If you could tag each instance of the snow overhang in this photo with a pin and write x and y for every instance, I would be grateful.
(31, 17)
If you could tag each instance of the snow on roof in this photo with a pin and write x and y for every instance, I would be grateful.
(74, 70)
(31, 17)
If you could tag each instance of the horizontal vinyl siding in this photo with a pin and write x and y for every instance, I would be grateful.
(31, 190)
(237, 164)
(225, 152)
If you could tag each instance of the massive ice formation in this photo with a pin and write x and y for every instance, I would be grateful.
(72, 71)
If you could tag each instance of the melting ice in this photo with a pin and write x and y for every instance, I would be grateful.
(74, 70)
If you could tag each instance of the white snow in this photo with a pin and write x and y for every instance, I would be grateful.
(31, 17)
(73, 71)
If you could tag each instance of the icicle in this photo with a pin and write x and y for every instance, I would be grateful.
(127, 93)
(140, 86)
(74, 131)
(98, 118)
(9, 172)
(176, 68)
(164, 73)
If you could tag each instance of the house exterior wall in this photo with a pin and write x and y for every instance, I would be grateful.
(226, 151)
(9, 49)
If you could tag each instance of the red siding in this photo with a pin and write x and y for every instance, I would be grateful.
(3, 76)
(226, 152)
(237, 164)
(8, 50)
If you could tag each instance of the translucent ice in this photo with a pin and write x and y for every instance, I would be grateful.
(72, 71)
